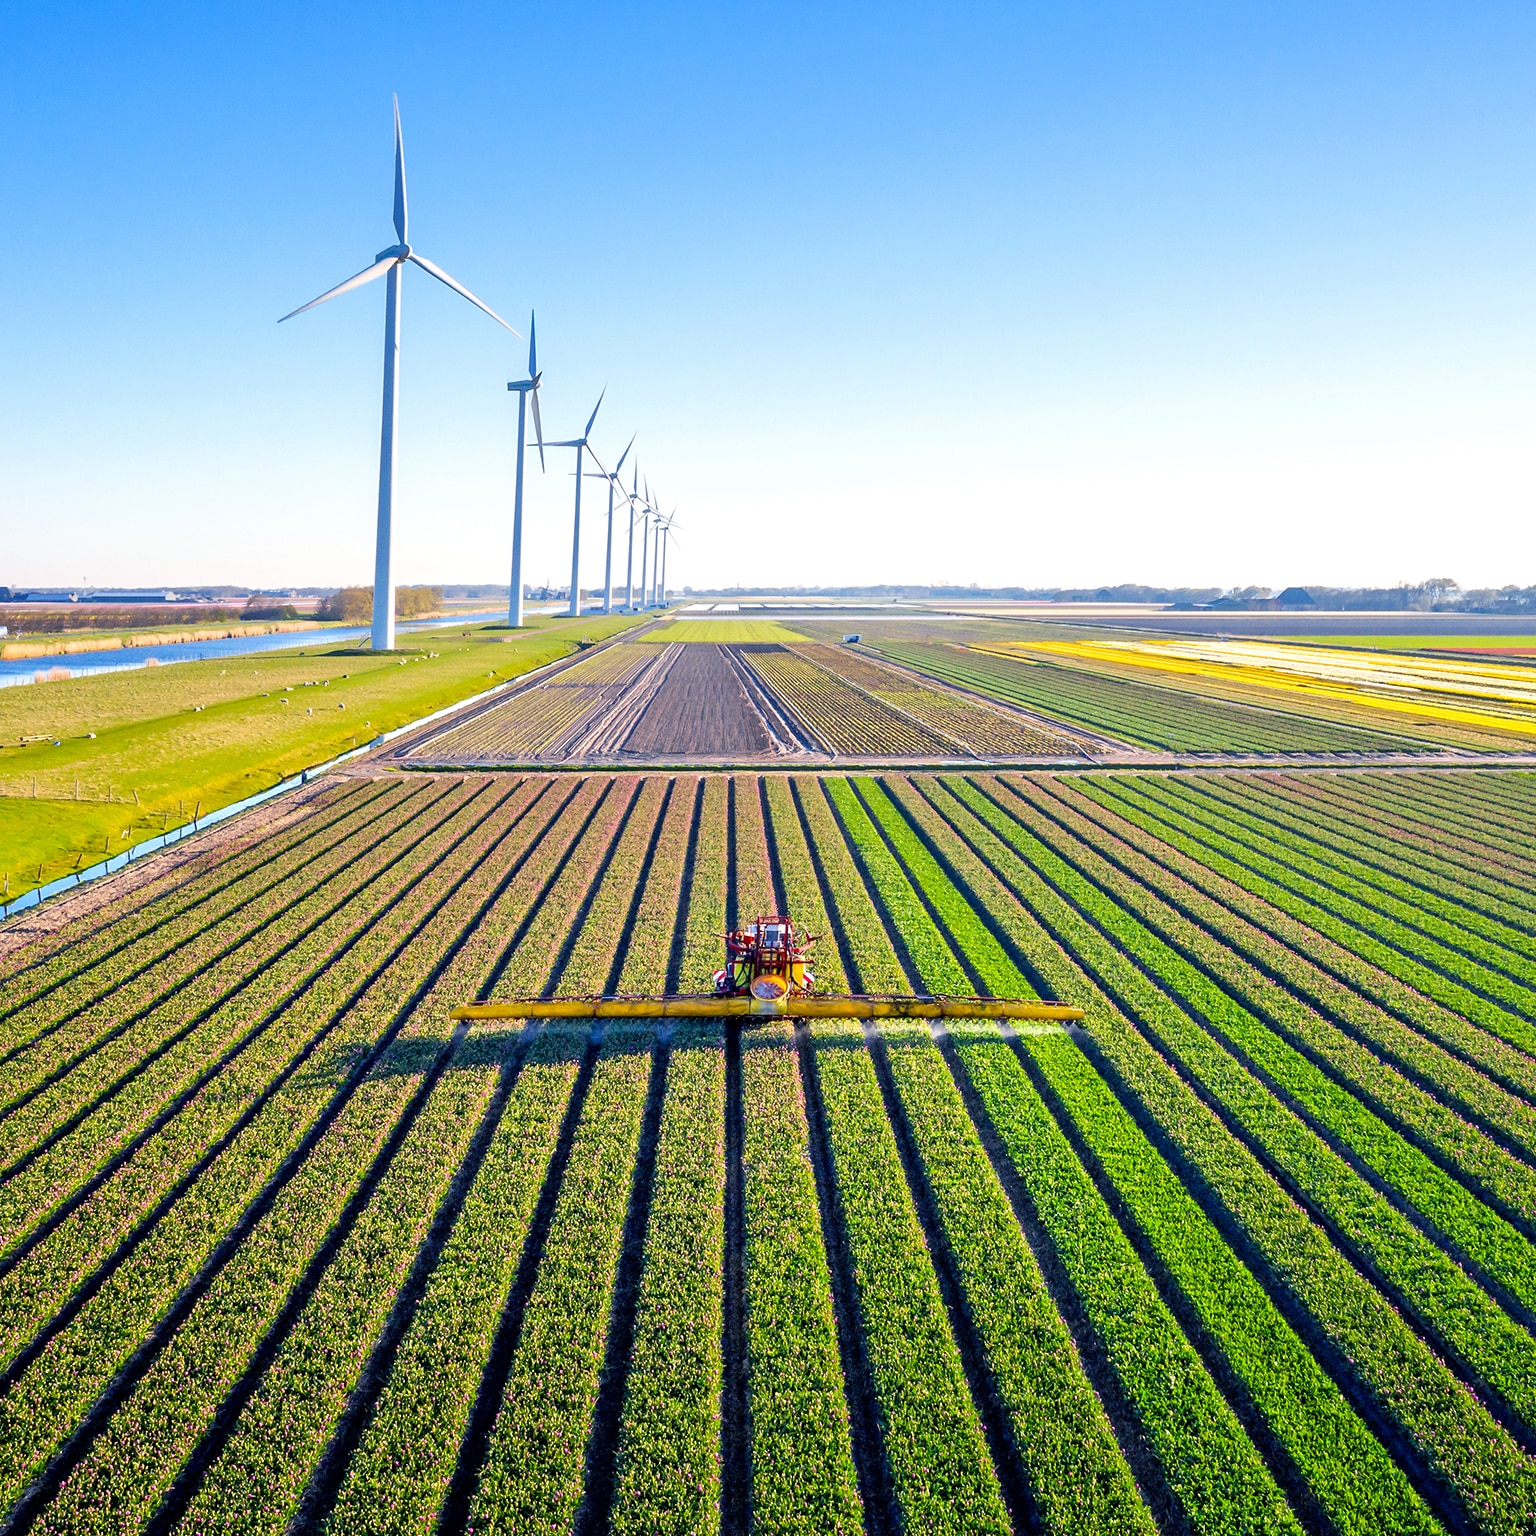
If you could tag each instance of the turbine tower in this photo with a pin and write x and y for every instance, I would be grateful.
(634, 497)
(526, 389)
(645, 550)
(612, 477)
(661, 561)
(392, 261)
(580, 445)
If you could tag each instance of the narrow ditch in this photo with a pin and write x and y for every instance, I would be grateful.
(735, 1441)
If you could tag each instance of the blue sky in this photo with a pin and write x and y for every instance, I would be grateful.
(994, 293)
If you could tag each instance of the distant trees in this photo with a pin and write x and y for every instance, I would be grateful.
(412, 602)
(354, 605)
(351, 605)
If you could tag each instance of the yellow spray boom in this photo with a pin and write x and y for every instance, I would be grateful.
(822, 1005)
(767, 975)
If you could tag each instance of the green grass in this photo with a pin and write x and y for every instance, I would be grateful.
(726, 632)
(140, 751)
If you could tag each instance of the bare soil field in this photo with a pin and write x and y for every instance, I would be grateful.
(702, 709)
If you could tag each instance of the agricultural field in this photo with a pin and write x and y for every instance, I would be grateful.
(626, 700)
(693, 699)
(89, 765)
(282, 1248)
(1464, 701)
(724, 632)
(1143, 709)
(971, 728)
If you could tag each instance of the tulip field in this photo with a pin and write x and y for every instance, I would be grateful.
(1252, 1250)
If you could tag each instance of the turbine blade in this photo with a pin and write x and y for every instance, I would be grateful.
(458, 288)
(533, 351)
(595, 409)
(367, 275)
(401, 221)
(538, 426)
(620, 465)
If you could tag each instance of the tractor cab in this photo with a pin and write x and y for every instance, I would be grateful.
(766, 960)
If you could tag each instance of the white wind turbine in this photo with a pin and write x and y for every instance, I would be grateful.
(612, 477)
(526, 389)
(645, 548)
(581, 446)
(392, 261)
(634, 501)
(665, 536)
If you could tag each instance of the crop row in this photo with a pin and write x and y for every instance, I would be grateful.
(844, 721)
(81, 1063)
(305, 1387)
(357, 1009)
(1451, 980)
(1414, 1030)
(1379, 886)
(129, 975)
(522, 727)
(1460, 1442)
(986, 732)
(145, 920)
(1334, 1026)
(1212, 1468)
(1488, 857)
(1449, 883)
(1431, 1283)
(239, 1018)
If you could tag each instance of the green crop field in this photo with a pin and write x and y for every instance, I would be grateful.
(724, 632)
(282, 1249)
(88, 765)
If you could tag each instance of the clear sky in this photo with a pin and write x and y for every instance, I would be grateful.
(1004, 293)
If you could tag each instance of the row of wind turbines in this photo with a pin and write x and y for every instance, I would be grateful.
(656, 528)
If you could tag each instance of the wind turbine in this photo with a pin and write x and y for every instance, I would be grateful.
(526, 389)
(612, 477)
(645, 549)
(661, 560)
(580, 445)
(634, 497)
(392, 261)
